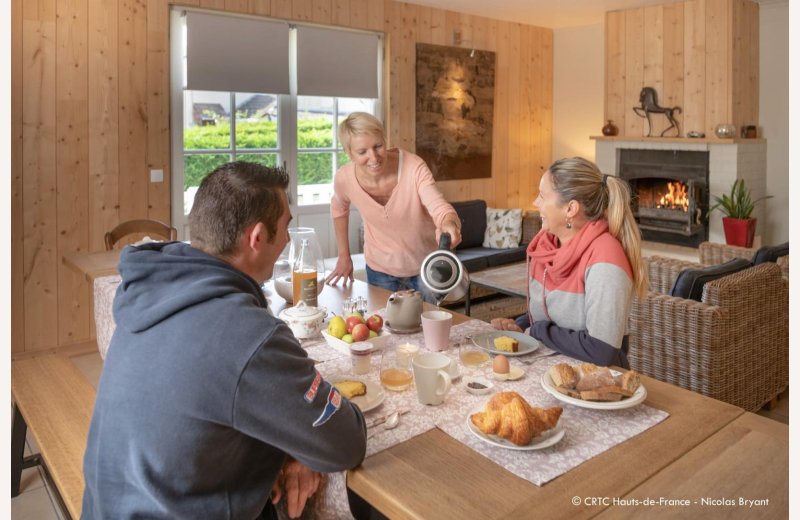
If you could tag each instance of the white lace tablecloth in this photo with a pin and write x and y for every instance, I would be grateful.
(587, 432)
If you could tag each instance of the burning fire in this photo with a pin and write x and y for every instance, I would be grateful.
(676, 198)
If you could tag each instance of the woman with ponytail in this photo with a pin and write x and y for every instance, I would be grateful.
(584, 265)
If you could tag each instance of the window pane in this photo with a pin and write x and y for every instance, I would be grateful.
(314, 172)
(196, 167)
(314, 122)
(206, 124)
(256, 121)
(349, 105)
(267, 159)
(341, 159)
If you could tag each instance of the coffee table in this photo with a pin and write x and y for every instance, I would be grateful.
(509, 279)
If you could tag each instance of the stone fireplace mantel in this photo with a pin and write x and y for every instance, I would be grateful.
(729, 160)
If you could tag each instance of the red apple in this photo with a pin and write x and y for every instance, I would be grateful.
(375, 322)
(360, 332)
(352, 321)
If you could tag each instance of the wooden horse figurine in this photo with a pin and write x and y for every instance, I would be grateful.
(649, 106)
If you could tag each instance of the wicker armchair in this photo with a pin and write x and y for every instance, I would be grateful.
(712, 253)
(732, 346)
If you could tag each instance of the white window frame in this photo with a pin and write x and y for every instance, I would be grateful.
(287, 151)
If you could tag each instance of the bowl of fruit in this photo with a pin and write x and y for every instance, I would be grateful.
(345, 330)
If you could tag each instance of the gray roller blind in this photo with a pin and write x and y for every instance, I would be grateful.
(236, 54)
(336, 63)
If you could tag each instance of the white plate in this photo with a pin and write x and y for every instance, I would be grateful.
(626, 402)
(485, 341)
(545, 440)
(369, 401)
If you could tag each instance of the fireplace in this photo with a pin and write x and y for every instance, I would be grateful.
(670, 193)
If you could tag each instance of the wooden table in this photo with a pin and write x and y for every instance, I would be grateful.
(510, 279)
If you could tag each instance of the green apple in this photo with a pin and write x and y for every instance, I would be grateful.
(373, 334)
(347, 338)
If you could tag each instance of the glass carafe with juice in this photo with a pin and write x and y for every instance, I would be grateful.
(304, 276)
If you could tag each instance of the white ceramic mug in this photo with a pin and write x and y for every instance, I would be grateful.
(436, 329)
(432, 377)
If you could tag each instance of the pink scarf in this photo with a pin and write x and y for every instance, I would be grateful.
(560, 261)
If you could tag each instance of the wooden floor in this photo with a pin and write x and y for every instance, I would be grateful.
(36, 501)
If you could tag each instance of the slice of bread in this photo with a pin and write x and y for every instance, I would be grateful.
(351, 389)
(506, 344)
(563, 375)
(593, 376)
(599, 395)
(630, 381)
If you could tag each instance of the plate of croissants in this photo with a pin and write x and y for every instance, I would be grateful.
(508, 421)
(591, 386)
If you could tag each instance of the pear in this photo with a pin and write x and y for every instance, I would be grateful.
(337, 327)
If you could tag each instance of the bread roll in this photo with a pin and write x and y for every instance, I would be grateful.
(593, 376)
(630, 381)
(563, 375)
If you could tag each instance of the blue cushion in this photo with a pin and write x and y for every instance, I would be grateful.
(506, 256)
(770, 253)
(472, 214)
(690, 282)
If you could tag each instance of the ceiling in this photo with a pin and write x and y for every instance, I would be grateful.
(543, 13)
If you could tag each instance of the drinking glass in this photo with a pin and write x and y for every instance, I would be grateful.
(396, 372)
(470, 354)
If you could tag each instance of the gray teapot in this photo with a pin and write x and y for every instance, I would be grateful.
(404, 311)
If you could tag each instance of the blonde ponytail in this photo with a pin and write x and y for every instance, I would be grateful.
(603, 196)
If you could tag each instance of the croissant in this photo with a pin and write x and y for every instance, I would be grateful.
(509, 416)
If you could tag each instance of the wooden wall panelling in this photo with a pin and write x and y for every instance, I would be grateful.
(236, 6)
(616, 107)
(72, 152)
(510, 181)
(501, 137)
(673, 61)
(718, 87)
(38, 112)
(634, 63)
(375, 15)
(406, 85)
(392, 73)
(745, 63)
(282, 9)
(438, 27)
(213, 4)
(530, 88)
(302, 10)
(341, 13)
(653, 60)
(263, 7)
(424, 24)
(321, 12)
(158, 136)
(752, 15)
(694, 54)
(546, 126)
(483, 39)
(17, 228)
(103, 85)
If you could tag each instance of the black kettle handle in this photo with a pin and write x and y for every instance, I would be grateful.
(444, 241)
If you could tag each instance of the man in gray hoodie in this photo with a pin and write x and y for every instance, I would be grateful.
(205, 398)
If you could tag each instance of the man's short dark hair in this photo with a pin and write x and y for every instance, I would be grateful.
(232, 197)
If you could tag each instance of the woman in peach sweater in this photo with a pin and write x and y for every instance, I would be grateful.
(404, 213)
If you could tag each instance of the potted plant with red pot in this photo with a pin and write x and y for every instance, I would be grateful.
(739, 228)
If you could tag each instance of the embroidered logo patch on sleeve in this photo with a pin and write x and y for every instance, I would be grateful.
(311, 393)
(333, 404)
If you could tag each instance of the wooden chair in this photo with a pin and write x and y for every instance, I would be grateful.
(732, 346)
(140, 227)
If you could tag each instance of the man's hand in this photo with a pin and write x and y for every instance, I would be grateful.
(505, 324)
(299, 482)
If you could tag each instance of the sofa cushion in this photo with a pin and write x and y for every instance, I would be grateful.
(506, 256)
(503, 228)
(770, 253)
(473, 258)
(690, 282)
(472, 214)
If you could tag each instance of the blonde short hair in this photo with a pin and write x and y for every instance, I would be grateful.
(359, 123)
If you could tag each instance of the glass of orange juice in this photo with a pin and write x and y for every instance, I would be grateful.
(396, 372)
(470, 354)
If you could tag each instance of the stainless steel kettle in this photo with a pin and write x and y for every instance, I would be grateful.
(444, 274)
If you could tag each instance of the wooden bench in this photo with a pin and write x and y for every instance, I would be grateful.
(52, 399)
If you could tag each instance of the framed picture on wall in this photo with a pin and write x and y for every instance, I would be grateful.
(455, 110)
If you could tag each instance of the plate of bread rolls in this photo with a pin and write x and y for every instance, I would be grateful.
(506, 342)
(507, 420)
(591, 386)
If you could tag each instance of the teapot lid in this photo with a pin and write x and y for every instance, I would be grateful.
(301, 310)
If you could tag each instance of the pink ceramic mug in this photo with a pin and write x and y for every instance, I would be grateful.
(436, 329)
